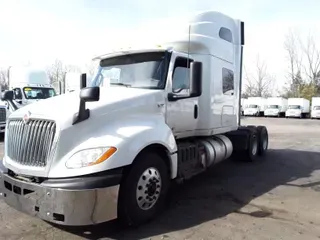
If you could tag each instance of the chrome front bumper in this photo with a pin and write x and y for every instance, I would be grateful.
(60, 206)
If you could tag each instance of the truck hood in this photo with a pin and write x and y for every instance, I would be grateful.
(62, 108)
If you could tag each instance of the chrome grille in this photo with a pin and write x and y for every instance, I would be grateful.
(3, 115)
(30, 143)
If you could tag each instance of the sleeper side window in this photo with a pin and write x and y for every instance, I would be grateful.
(227, 81)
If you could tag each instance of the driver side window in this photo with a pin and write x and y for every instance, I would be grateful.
(17, 94)
(181, 77)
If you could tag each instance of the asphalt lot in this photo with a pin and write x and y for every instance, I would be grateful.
(275, 198)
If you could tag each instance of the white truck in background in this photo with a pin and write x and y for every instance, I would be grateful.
(100, 153)
(29, 84)
(315, 108)
(255, 106)
(72, 81)
(3, 116)
(243, 105)
(298, 108)
(276, 107)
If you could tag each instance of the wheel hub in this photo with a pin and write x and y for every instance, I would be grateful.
(148, 188)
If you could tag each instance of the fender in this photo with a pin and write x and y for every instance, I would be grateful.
(130, 136)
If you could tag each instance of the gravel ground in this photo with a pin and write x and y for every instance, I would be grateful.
(275, 198)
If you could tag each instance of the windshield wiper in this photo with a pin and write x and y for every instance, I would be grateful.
(121, 84)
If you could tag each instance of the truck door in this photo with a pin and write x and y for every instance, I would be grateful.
(182, 115)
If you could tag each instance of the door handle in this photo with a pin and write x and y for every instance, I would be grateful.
(195, 112)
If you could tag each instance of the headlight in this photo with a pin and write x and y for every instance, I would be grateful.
(90, 157)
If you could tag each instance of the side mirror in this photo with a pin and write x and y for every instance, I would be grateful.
(7, 95)
(83, 81)
(90, 94)
(195, 79)
(195, 83)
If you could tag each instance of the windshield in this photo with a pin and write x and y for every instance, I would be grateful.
(38, 92)
(273, 106)
(294, 107)
(253, 106)
(316, 108)
(139, 70)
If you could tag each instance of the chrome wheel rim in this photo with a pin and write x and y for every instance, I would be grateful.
(148, 188)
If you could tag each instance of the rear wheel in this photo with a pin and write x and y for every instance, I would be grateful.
(263, 139)
(143, 191)
(251, 153)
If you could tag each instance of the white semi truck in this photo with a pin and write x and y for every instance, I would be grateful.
(276, 107)
(99, 153)
(29, 84)
(315, 108)
(298, 108)
(255, 106)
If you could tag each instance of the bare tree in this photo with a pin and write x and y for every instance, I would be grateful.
(91, 69)
(259, 83)
(57, 72)
(249, 86)
(58, 69)
(312, 55)
(4, 79)
(293, 54)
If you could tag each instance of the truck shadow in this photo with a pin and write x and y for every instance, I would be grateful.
(224, 189)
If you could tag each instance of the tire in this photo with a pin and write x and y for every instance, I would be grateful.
(248, 155)
(263, 139)
(148, 169)
(251, 153)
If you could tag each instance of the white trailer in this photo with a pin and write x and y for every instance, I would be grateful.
(171, 113)
(255, 106)
(276, 107)
(315, 108)
(29, 85)
(298, 107)
(72, 81)
(243, 105)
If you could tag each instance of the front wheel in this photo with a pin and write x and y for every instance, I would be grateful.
(143, 191)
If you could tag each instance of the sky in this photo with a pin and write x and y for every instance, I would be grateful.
(38, 32)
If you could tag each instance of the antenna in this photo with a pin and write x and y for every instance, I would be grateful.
(188, 60)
